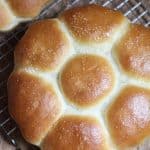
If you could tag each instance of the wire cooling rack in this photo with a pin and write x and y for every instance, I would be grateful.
(135, 10)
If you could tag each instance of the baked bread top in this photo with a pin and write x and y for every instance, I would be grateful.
(14, 11)
(82, 81)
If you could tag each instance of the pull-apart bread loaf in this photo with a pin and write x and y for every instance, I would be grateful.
(82, 82)
(14, 11)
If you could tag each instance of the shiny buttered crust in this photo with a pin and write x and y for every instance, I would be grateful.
(76, 132)
(14, 11)
(82, 82)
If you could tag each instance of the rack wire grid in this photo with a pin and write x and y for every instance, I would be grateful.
(135, 10)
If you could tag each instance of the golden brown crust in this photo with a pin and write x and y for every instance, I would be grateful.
(5, 16)
(86, 79)
(133, 52)
(129, 116)
(76, 133)
(33, 104)
(27, 8)
(43, 46)
(92, 23)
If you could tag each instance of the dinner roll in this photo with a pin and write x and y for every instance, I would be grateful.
(82, 82)
(13, 12)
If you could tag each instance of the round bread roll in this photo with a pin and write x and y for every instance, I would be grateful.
(14, 11)
(82, 82)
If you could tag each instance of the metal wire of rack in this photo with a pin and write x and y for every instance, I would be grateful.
(133, 9)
